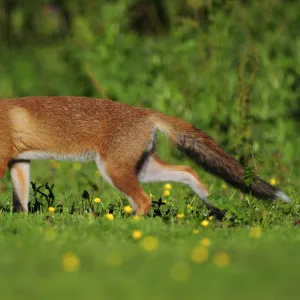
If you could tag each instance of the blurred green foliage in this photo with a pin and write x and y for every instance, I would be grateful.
(229, 67)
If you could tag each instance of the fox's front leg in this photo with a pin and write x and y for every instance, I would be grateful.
(20, 175)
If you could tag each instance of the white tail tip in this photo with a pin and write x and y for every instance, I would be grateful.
(283, 196)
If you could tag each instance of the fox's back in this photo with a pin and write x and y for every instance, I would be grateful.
(62, 109)
(65, 123)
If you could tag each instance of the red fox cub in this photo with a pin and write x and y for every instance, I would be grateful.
(119, 138)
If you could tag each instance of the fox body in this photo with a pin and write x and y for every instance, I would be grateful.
(119, 138)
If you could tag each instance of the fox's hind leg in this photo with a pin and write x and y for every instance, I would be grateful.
(154, 169)
(20, 175)
(128, 184)
(119, 162)
(123, 177)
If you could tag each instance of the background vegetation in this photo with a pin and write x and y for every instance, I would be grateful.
(230, 68)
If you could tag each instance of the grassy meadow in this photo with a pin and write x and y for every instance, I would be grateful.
(88, 245)
(230, 68)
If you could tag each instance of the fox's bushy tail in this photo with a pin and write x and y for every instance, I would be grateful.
(202, 149)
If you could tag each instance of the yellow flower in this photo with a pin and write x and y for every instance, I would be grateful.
(110, 217)
(190, 207)
(255, 232)
(199, 255)
(180, 271)
(210, 218)
(205, 242)
(196, 231)
(97, 200)
(221, 259)
(273, 181)
(180, 216)
(127, 209)
(224, 186)
(51, 209)
(167, 193)
(137, 234)
(167, 186)
(149, 243)
(55, 164)
(205, 223)
(97, 173)
(77, 166)
(70, 262)
(114, 259)
(136, 218)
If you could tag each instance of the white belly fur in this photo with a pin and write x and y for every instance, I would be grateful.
(40, 155)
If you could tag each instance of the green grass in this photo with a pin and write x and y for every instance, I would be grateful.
(260, 240)
(230, 67)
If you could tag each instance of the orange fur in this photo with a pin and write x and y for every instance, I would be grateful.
(119, 137)
(2, 171)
